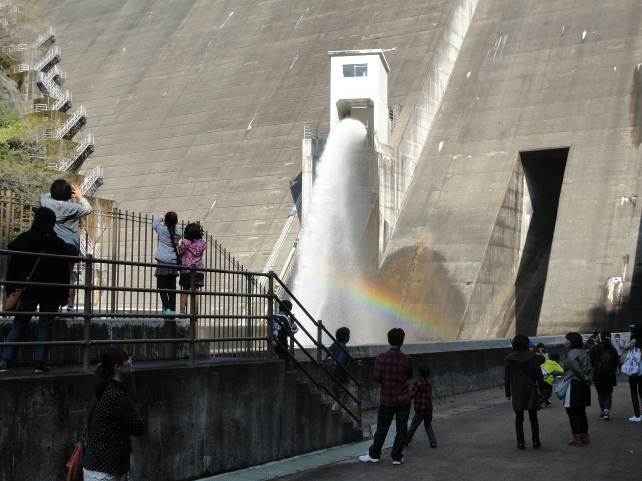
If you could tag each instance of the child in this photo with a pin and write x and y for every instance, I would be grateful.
(422, 394)
(550, 367)
(190, 250)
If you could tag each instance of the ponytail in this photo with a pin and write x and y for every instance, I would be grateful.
(110, 357)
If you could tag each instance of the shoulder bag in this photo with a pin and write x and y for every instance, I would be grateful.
(12, 301)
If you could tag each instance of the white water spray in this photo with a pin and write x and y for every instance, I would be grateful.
(332, 228)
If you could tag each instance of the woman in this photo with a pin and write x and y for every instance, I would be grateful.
(635, 381)
(523, 381)
(578, 371)
(604, 360)
(112, 421)
(41, 237)
(167, 254)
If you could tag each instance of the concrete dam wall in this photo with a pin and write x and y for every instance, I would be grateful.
(510, 187)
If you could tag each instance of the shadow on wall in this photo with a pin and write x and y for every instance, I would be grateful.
(427, 303)
(635, 106)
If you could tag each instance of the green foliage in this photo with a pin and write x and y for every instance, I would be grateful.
(22, 169)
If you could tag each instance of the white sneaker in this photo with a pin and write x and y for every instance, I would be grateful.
(634, 419)
(397, 463)
(365, 458)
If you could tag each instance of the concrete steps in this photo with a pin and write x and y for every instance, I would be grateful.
(318, 425)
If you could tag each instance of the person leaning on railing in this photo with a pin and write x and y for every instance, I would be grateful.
(40, 238)
(70, 206)
(166, 254)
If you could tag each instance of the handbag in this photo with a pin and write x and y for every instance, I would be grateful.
(74, 465)
(562, 387)
(12, 301)
(631, 366)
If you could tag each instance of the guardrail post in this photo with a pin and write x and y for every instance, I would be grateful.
(359, 392)
(270, 313)
(193, 316)
(87, 309)
(319, 341)
(249, 286)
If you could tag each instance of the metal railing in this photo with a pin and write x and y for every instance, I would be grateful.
(71, 122)
(92, 181)
(269, 265)
(230, 319)
(74, 159)
(49, 57)
(225, 333)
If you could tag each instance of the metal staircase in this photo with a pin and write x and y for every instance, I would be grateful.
(269, 265)
(92, 181)
(83, 150)
(72, 125)
(50, 88)
(47, 62)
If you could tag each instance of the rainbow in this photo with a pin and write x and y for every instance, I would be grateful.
(384, 303)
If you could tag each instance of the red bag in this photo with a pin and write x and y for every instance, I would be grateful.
(74, 465)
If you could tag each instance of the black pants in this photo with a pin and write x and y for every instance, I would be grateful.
(416, 422)
(167, 298)
(635, 384)
(384, 419)
(579, 422)
(604, 395)
(547, 391)
(519, 425)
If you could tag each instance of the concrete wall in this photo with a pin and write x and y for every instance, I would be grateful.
(530, 75)
(199, 421)
(198, 106)
(457, 366)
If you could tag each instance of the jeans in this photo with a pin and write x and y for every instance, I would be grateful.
(604, 396)
(167, 298)
(635, 384)
(519, 425)
(416, 422)
(547, 391)
(579, 422)
(29, 303)
(384, 419)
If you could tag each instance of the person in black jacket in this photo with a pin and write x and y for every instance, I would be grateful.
(523, 381)
(39, 238)
(111, 422)
(605, 361)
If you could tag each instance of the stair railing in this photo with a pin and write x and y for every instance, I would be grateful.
(316, 361)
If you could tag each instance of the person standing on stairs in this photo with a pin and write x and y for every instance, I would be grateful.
(283, 327)
(393, 370)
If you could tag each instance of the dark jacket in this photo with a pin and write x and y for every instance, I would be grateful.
(521, 373)
(112, 422)
(48, 269)
(605, 361)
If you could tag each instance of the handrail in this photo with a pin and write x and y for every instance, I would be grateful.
(269, 265)
(66, 127)
(86, 142)
(47, 58)
(314, 321)
(92, 181)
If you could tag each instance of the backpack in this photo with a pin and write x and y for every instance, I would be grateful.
(604, 366)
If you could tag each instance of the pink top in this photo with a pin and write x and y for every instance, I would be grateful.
(191, 252)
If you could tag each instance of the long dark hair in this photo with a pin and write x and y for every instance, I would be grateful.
(111, 356)
(520, 342)
(171, 219)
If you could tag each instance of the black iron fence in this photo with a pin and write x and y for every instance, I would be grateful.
(113, 281)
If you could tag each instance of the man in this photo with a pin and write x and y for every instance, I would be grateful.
(39, 238)
(393, 370)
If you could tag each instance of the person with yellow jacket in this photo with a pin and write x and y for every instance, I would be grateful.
(550, 368)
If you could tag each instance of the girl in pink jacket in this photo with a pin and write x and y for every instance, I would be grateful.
(191, 250)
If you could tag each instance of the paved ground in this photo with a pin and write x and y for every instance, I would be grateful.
(476, 442)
